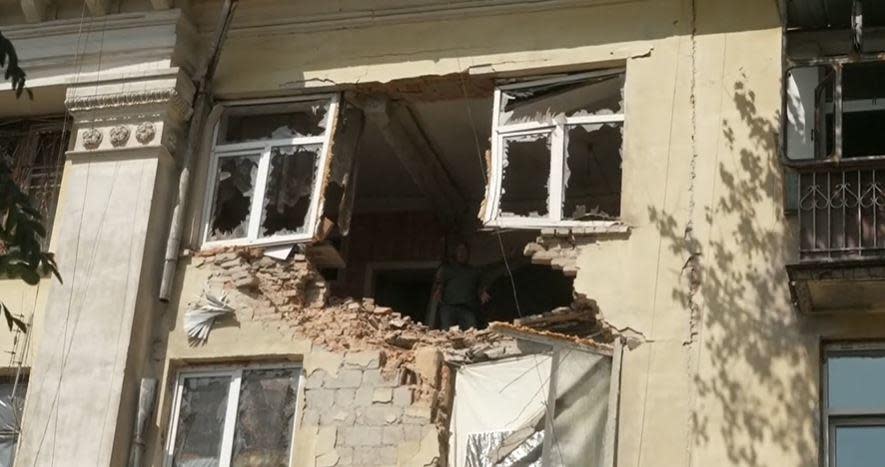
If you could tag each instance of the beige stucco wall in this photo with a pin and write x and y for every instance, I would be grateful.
(734, 382)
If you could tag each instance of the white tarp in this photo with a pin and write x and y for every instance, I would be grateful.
(582, 383)
(500, 412)
(500, 396)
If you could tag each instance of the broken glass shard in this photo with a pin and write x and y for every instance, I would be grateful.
(551, 103)
(232, 199)
(265, 417)
(289, 186)
(200, 421)
(526, 175)
(280, 121)
(592, 172)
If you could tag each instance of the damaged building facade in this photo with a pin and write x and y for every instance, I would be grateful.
(667, 211)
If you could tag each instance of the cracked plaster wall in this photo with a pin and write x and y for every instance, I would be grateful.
(734, 385)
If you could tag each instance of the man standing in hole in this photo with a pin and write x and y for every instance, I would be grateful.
(460, 291)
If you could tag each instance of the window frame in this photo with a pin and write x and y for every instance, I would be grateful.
(264, 149)
(830, 420)
(235, 372)
(837, 63)
(558, 141)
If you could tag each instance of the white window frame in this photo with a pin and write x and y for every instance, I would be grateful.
(558, 142)
(233, 399)
(263, 149)
(832, 419)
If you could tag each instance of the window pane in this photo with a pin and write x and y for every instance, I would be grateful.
(860, 446)
(526, 175)
(293, 120)
(201, 421)
(856, 382)
(810, 131)
(592, 178)
(7, 450)
(593, 96)
(265, 416)
(289, 186)
(863, 109)
(11, 410)
(232, 200)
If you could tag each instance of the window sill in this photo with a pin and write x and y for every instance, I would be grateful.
(565, 228)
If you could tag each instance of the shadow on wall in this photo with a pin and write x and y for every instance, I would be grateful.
(755, 383)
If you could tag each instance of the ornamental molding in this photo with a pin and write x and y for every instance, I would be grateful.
(91, 138)
(119, 135)
(121, 101)
(145, 132)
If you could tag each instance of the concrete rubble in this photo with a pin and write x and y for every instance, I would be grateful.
(379, 385)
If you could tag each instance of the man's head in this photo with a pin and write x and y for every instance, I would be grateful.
(462, 253)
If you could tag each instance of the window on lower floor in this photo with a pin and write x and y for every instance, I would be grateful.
(556, 151)
(12, 401)
(265, 176)
(234, 417)
(854, 404)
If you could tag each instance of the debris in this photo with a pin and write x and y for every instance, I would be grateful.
(198, 320)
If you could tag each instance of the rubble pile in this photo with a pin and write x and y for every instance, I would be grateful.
(294, 296)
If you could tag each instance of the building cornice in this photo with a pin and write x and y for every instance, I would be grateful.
(406, 14)
(76, 27)
(128, 100)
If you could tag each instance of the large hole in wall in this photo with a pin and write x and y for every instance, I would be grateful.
(397, 240)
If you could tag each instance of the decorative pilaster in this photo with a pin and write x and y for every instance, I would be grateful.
(146, 114)
(116, 199)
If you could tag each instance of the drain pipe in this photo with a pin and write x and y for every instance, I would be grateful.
(146, 396)
(194, 136)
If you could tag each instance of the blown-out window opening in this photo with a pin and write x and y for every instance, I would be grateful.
(265, 182)
(556, 151)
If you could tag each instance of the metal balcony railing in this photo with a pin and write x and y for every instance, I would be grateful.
(841, 213)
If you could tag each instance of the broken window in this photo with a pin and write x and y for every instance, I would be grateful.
(265, 184)
(12, 399)
(240, 417)
(556, 151)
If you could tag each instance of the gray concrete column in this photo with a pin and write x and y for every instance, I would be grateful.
(113, 216)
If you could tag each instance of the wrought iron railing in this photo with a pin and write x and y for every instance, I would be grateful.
(841, 213)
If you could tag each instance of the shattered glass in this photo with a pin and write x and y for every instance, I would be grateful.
(7, 450)
(232, 202)
(10, 419)
(289, 186)
(526, 175)
(552, 103)
(11, 410)
(592, 172)
(201, 421)
(292, 120)
(265, 418)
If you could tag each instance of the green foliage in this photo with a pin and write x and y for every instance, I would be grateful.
(21, 226)
(14, 74)
(21, 232)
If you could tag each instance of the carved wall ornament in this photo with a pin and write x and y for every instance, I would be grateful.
(145, 132)
(91, 138)
(119, 135)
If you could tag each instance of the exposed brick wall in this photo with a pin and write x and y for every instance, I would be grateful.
(366, 418)
(376, 389)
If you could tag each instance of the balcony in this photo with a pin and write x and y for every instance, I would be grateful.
(841, 220)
